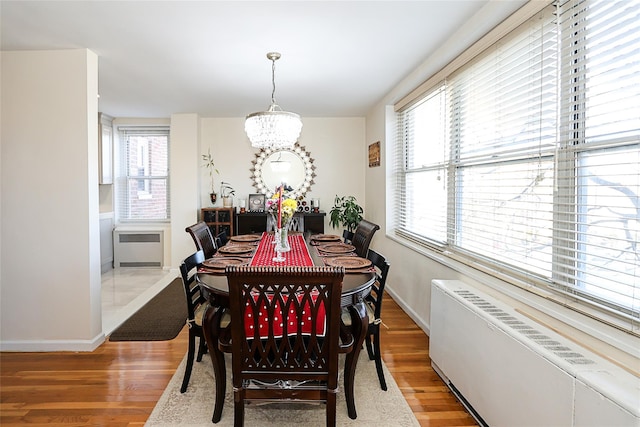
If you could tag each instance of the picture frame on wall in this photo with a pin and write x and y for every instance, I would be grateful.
(256, 202)
(374, 154)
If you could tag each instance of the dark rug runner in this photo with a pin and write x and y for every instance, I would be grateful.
(161, 319)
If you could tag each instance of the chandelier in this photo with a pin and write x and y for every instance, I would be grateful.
(273, 128)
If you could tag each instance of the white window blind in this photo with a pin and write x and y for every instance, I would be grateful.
(142, 183)
(503, 111)
(421, 211)
(526, 158)
(597, 254)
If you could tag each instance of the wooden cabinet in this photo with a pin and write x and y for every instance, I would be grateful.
(218, 220)
(256, 222)
(314, 222)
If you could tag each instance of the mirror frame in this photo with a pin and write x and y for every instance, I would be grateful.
(297, 192)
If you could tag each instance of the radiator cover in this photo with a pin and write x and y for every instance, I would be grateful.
(138, 248)
(513, 371)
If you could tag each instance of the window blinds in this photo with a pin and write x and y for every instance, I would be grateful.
(142, 174)
(525, 158)
(596, 238)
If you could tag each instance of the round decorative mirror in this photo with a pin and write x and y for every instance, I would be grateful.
(293, 167)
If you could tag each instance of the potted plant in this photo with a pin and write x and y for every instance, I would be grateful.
(347, 212)
(208, 163)
(226, 192)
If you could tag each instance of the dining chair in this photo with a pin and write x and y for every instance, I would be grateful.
(347, 236)
(221, 239)
(296, 223)
(196, 307)
(362, 237)
(285, 335)
(203, 238)
(374, 308)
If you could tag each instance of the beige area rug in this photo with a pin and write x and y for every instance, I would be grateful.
(195, 407)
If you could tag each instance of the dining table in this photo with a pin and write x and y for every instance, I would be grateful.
(306, 250)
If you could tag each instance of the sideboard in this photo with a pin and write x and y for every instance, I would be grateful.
(256, 222)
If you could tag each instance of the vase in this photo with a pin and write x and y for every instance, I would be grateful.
(281, 238)
(227, 202)
(213, 197)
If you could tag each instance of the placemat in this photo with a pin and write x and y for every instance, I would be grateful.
(298, 256)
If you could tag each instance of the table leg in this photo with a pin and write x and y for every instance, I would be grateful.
(211, 329)
(360, 323)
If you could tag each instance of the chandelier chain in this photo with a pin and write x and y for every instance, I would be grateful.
(273, 81)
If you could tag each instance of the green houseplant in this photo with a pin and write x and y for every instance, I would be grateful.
(347, 212)
(210, 165)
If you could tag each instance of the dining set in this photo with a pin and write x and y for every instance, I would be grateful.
(284, 322)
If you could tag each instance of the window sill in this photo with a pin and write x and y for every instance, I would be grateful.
(617, 346)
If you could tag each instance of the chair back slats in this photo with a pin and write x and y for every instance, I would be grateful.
(382, 270)
(362, 237)
(287, 315)
(203, 238)
(191, 287)
(285, 331)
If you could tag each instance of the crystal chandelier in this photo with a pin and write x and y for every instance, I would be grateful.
(273, 128)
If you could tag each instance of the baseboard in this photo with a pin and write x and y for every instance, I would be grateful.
(407, 309)
(32, 346)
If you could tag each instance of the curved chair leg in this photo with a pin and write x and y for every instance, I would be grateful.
(190, 357)
(211, 329)
(359, 322)
(219, 371)
(378, 359)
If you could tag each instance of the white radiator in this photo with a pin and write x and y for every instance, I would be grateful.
(512, 371)
(138, 248)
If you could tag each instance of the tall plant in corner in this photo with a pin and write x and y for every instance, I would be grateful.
(211, 167)
(347, 212)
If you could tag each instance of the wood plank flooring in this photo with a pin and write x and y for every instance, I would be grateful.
(119, 383)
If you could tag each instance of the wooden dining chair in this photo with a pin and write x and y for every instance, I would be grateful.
(362, 237)
(374, 308)
(196, 307)
(221, 239)
(296, 223)
(347, 236)
(285, 335)
(203, 238)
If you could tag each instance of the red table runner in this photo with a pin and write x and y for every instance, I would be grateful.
(298, 256)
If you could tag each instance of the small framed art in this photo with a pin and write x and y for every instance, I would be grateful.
(256, 202)
(374, 154)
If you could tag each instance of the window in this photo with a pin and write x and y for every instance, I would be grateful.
(142, 186)
(525, 158)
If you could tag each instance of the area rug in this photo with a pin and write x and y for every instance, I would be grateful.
(161, 319)
(375, 407)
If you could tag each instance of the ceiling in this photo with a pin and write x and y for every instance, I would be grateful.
(157, 58)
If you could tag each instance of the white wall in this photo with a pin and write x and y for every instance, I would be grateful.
(184, 163)
(50, 245)
(335, 144)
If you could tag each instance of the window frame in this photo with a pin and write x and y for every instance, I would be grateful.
(124, 177)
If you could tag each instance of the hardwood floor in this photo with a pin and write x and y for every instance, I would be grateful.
(120, 382)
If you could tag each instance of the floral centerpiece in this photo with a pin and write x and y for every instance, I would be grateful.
(281, 210)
